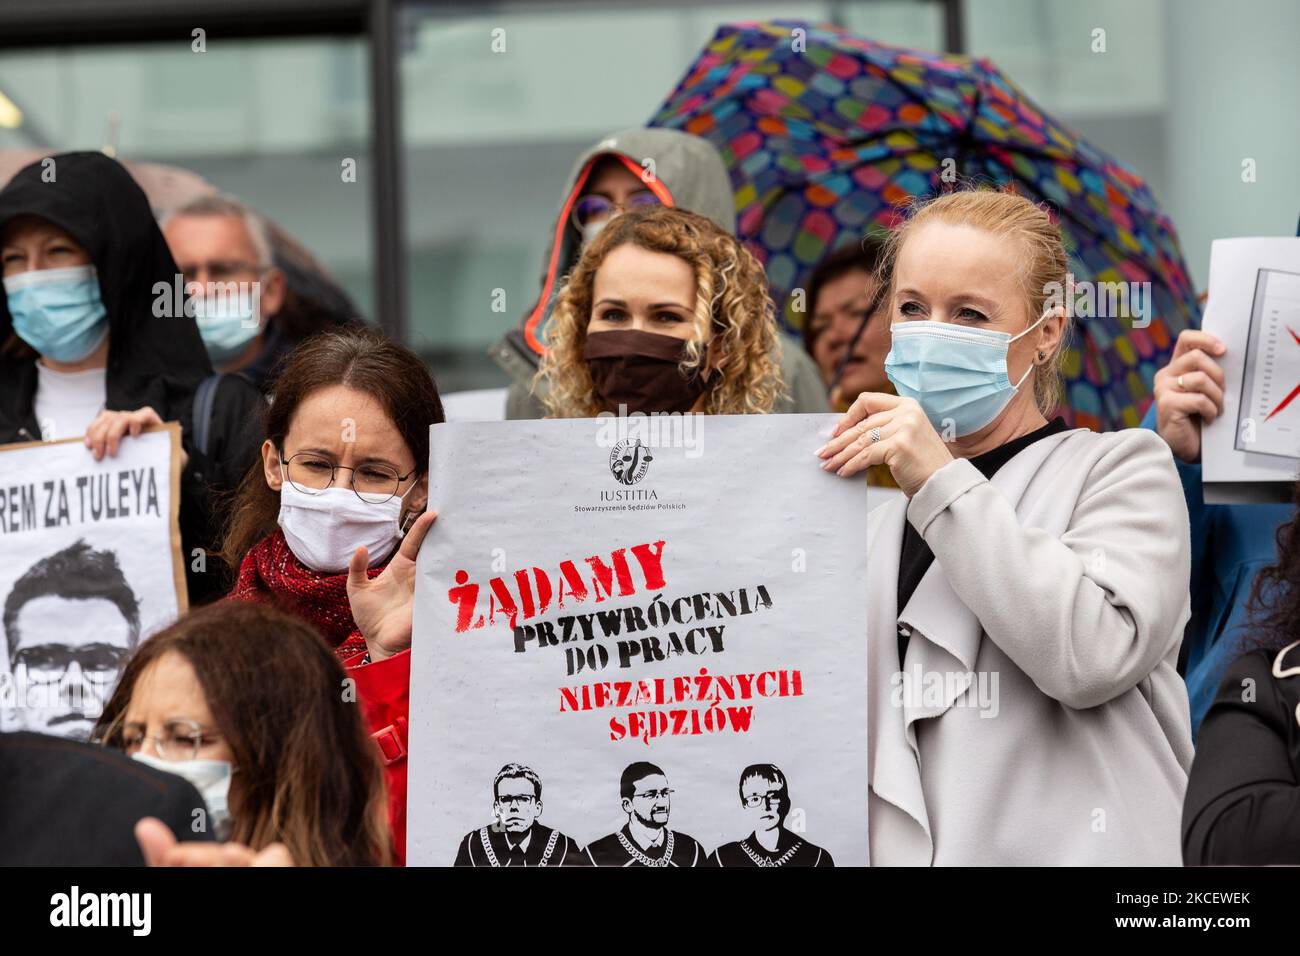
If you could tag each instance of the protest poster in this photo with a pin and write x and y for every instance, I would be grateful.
(639, 640)
(90, 564)
(1251, 453)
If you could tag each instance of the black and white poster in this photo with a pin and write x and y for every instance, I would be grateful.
(640, 642)
(90, 564)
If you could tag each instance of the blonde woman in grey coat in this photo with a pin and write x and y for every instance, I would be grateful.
(1026, 599)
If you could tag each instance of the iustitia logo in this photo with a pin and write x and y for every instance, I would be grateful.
(629, 461)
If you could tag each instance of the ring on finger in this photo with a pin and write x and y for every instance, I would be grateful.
(1181, 386)
(875, 434)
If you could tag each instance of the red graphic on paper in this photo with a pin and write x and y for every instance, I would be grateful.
(1294, 392)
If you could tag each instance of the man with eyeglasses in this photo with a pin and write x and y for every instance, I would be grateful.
(71, 622)
(646, 839)
(765, 801)
(515, 838)
(223, 251)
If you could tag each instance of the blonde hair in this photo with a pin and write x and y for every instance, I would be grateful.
(1043, 259)
(734, 316)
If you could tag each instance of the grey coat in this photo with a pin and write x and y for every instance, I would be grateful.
(1044, 722)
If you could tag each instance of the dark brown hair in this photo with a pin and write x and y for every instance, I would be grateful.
(309, 774)
(863, 256)
(363, 359)
(1273, 609)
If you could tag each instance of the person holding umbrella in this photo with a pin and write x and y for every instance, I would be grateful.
(1055, 560)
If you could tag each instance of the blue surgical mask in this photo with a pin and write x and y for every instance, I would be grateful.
(227, 324)
(957, 374)
(58, 312)
(211, 778)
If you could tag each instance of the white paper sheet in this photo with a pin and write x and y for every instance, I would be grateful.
(746, 508)
(1254, 308)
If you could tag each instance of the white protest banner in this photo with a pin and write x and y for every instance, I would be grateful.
(1251, 452)
(639, 641)
(90, 563)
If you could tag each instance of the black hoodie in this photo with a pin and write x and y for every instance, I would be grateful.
(153, 360)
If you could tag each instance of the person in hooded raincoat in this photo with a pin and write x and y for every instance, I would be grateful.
(89, 346)
(627, 169)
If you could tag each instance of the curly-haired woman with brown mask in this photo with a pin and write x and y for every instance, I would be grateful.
(252, 706)
(665, 312)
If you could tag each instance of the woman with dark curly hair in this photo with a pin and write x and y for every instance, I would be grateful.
(1243, 794)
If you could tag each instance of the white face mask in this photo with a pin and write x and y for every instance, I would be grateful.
(211, 778)
(325, 530)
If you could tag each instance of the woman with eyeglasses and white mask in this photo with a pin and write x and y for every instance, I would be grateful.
(243, 701)
(328, 525)
(1027, 598)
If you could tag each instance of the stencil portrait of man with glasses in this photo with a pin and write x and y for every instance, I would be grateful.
(765, 802)
(515, 837)
(71, 622)
(646, 839)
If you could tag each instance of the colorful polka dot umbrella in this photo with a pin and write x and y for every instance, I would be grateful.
(825, 134)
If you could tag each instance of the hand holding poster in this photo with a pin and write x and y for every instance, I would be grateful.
(639, 641)
(1251, 452)
(89, 563)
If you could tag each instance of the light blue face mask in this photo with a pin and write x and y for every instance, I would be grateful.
(58, 312)
(227, 324)
(957, 374)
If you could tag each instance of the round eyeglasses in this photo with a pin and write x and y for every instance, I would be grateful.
(311, 474)
(595, 208)
(180, 740)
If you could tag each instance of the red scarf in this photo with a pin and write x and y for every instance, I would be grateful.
(272, 574)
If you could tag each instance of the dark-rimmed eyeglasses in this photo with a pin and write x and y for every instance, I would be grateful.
(49, 663)
(517, 800)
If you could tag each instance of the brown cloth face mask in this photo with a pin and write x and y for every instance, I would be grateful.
(639, 370)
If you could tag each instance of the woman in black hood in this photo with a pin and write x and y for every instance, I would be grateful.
(85, 350)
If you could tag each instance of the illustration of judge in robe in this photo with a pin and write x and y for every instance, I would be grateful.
(646, 839)
(515, 837)
(765, 802)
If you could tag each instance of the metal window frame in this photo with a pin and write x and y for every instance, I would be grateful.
(63, 23)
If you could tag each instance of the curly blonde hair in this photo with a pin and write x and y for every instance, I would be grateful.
(734, 316)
